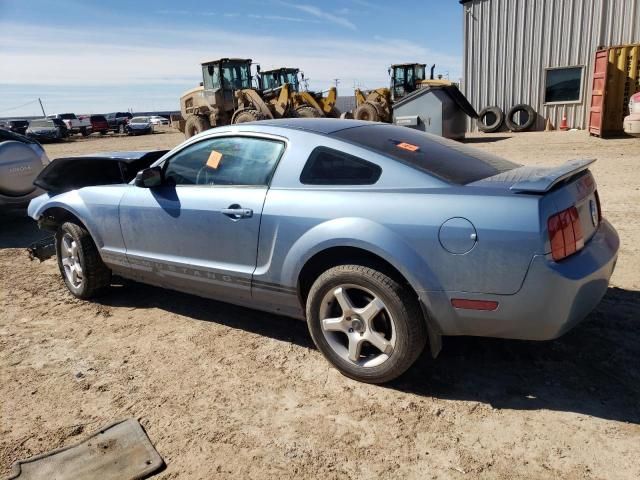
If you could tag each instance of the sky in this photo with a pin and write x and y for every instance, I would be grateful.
(97, 57)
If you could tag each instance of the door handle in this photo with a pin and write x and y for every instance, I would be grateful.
(236, 212)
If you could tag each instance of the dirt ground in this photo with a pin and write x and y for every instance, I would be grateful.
(226, 392)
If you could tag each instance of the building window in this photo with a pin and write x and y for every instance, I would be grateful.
(563, 85)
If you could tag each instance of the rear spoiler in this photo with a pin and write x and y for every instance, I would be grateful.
(545, 179)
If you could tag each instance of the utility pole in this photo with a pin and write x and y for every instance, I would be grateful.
(336, 81)
(43, 114)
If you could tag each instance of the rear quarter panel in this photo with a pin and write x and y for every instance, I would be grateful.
(398, 219)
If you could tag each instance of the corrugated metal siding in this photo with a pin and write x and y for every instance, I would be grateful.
(510, 43)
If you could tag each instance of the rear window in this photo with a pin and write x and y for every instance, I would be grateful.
(67, 116)
(326, 166)
(98, 118)
(446, 159)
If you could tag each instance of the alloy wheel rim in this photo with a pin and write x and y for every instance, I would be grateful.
(71, 261)
(357, 325)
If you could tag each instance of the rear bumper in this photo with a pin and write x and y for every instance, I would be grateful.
(553, 298)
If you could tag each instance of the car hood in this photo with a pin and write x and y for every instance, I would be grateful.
(71, 173)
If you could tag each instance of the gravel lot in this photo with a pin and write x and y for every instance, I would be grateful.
(226, 392)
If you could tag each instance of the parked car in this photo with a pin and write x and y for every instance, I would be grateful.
(99, 124)
(47, 129)
(158, 120)
(632, 121)
(139, 126)
(118, 121)
(21, 160)
(16, 126)
(73, 123)
(382, 237)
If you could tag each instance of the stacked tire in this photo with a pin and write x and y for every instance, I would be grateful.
(519, 118)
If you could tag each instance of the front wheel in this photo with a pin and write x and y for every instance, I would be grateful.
(365, 323)
(80, 264)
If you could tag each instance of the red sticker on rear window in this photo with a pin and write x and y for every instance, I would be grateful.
(408, 146)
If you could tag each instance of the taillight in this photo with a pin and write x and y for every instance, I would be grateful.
(565, 233)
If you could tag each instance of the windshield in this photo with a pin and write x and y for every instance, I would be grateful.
(278, 78)
(269, 81)
(236, 76)
(67, 116)
(41, 124)
(451, 161)
(420, 72)
(139, 120)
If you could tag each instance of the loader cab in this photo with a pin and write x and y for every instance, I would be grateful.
(405, 78)
(227, 74)
(279, 76)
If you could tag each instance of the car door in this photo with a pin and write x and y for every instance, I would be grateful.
(198, 231)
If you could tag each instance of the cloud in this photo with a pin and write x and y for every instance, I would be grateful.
(166, 60)
(321, 14)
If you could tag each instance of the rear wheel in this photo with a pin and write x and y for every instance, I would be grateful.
(307, 112)
(365, 323)
(82, 269)
(367, 111)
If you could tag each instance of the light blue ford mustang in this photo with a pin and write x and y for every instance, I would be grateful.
(383, 238)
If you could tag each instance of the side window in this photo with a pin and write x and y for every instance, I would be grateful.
(225, 161)
(326, 166)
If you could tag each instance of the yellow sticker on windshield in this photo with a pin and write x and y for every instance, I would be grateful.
(214, 159)
(408, 146)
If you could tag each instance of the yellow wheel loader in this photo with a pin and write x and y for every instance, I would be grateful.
(377, 105)
(226, 95)
(305, 104)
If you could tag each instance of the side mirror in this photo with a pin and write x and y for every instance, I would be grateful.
(148, 178)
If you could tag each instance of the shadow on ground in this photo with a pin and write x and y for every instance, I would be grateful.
(19, 231)
(487, 138)
(593, 370)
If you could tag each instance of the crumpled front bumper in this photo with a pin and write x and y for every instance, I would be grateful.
(553, 298)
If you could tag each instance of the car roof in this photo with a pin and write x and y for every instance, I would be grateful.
(324, 126)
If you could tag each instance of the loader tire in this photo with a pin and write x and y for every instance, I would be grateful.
(245, 116)
(368, 112)
(490, 119)
(307, 112)
(195, 125)
(521, 126)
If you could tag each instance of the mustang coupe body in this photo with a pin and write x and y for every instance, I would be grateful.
(383, 238)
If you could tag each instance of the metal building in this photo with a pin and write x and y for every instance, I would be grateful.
(540, 52)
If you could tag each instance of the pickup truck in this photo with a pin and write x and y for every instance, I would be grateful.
(118, 121)
(73, 123)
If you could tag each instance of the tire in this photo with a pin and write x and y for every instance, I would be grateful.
(103, 132)
(401, 321)
(334, 113)
(527, 124)
(83, 132)
(75, 247)
(485, 114)
(367, 111)
(307, 112)
(195, 124)
(245, 116)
